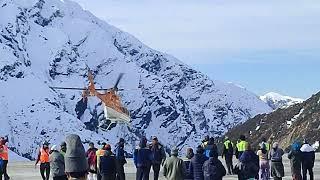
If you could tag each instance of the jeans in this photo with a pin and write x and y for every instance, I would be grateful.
(229, 164)
(156, 171)
(45, 170)
(4, 171)
(305, 169)
(92, 176)
(120, 172)
(143, 173)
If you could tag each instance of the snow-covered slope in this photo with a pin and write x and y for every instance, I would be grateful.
(275, 100)
(47, 43)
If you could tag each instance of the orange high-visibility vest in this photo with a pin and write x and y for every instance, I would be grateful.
(44, 156)
(100, 152)
(4, 155)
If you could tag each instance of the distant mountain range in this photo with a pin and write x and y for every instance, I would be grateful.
(275, 100)
(296, 122)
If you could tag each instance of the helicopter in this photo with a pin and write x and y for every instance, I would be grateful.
(114, 110)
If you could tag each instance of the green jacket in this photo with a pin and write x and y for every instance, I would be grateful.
(174, 168)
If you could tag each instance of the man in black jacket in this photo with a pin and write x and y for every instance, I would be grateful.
(108, 165)
(196, 164)
(308, 158)
(158, 156)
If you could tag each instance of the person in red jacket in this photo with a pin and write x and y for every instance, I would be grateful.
(92, 161)
(4, 155)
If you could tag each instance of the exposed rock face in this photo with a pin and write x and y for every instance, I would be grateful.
(284, 125)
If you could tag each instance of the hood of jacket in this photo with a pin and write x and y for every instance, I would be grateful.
(307, 148)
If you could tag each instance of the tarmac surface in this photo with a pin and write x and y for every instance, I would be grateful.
(27, 171)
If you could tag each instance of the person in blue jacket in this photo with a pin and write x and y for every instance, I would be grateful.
(142, 158)
(196, 164)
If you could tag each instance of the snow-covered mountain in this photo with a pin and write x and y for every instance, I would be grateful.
(47, 43)
(276, 100)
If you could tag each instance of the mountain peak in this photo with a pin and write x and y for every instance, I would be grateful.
(276, 100)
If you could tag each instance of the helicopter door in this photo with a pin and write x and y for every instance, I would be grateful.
(115, 116)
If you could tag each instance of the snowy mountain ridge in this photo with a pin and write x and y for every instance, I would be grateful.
(276, 100)
(47, 43)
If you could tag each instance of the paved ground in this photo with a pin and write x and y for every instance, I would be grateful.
(27, 171)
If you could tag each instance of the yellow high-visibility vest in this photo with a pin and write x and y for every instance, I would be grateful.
(241, 146)
(226, 144)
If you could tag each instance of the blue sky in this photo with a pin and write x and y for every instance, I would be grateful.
(262, 45)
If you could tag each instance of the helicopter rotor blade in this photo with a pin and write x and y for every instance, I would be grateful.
(118, 81)
(68, 88)
(75, 88)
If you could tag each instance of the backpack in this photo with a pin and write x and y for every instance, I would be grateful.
(230, 148)
(276, 155)
(211, 171)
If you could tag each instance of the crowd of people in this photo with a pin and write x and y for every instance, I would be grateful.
(71, 161)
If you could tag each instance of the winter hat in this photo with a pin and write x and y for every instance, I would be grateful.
(143, 142)
(103, 145)
(275, 145)
(200, 150)
(190, 153)
(155, 138)
(295, 146)
(263, 146)
(108, 147)
(46, 143)
(63, 144)
(242, 137)
(75, 157)
(121, 140)
(54, 148)
(174, 151)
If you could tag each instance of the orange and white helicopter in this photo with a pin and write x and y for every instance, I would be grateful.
(114, 111)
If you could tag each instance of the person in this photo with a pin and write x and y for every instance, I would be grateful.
(4, 156)
(195, 167)
(100, 152)
(213, 168)
(227, 153)
(57, 167)
(63, 148)
(1, 166)
(173, 168)
(308, 158)
(92, 161)
(43, 158)
(205, 142)
(121, 159)
(211, 146)
(295, 157)
(189, 156)
(249, 164)
(267, 145)
(240, 146)
(264, 172)
(76, 164)
(158, 156)
(108, 165)
(142, 158)
(277, 168)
